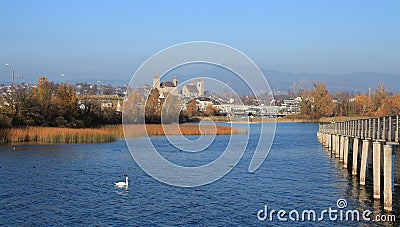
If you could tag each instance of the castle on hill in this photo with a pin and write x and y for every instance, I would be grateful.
(171, 87)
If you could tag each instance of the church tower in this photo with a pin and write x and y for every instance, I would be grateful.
(156, 81)
(175, 81)
(200, 86)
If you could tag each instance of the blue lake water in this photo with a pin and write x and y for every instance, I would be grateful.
(73, 185)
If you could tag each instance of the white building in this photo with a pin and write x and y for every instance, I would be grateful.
(193, 91)
(170, 87)
(165, 87)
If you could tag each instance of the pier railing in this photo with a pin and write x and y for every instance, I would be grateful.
(383, 128)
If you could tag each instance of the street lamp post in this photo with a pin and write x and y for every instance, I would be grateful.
(13, 78)
(101, 84)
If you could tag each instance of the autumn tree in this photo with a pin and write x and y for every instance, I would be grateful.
(305, 104)
(29, 110)
(344, 105)
(322, 105)
(379, 99)
(66, 103)
(52, 105)
(6, 111)
(364, 105)
(44, 90)
(133, 106)
(391, 105)
(211, 110)
(171, 109)
(5, 121)
(153, 108)
(191, 108)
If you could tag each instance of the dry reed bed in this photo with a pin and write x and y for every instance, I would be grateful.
(104, 134)
(58, 135)
(189, 129)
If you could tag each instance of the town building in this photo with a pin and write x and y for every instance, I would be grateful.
(165, 87)
(191, 90)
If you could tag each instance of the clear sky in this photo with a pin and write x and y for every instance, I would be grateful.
(109, 39)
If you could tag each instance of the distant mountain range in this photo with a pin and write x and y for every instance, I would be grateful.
(280, 82)
(358, 82)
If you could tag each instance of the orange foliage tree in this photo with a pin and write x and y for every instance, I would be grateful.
(211, 111)
(191, 108)
(364, 105)
(391, 106)
(153, 108)
(379, 98)
(317, 103)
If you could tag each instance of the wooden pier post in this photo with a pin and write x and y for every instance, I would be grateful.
(346, 152)
(333, 144)
(329, 142)
(355, 155)
(370, 154)
(387, 178)
(377, 169)
(397, 166)
(341, 148)
(364, 157)
(326, 140)
(337, 146)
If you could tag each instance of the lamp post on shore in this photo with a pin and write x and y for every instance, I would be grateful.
(101, 84)
(13, 78)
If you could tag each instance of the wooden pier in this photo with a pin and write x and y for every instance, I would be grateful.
(369, 144)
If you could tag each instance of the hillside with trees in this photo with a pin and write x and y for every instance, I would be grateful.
(318, 102)
(52, 105)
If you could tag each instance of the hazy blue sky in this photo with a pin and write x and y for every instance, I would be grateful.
(110, 39)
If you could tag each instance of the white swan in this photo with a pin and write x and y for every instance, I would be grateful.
(122, 184)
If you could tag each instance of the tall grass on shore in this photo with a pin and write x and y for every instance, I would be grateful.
(58, 135)
(182, 129)
(106, 133)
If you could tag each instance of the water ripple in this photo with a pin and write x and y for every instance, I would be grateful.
(73, 185)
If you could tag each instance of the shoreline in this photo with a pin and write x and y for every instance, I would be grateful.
(110, 133)
(105, 134)
(289, 119)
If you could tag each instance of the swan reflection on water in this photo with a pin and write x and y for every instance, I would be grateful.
(122, 192)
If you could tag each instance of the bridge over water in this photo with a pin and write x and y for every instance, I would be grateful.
(367, 144)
